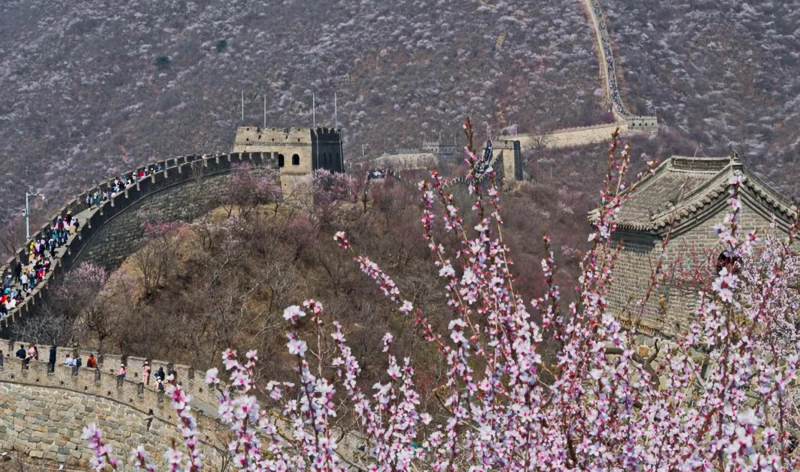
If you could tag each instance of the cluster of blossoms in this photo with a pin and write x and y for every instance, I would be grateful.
(720, 397)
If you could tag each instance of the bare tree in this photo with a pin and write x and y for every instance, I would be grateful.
(155, 258)
(12, 236)
(71, 311)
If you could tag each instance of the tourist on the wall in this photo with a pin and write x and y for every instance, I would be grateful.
(33, 353)
(122, 371)
(172, 375)
(51, 364)
(69, 361)
(146, 373)
(91, 362)
(160, 374)
(77, 365)
(21, 352)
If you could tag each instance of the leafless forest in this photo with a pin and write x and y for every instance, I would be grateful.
(717, 73)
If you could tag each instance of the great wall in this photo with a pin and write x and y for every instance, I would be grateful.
(185, 187)
(43, 411)
(627, 123)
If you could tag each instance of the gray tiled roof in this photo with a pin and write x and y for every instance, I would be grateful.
(684, 186)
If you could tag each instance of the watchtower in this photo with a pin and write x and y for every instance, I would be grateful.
(300, 150)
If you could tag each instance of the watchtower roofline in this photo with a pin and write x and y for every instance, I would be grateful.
(684, 187)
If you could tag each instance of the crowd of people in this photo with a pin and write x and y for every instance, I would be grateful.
(29, 354)
(20, 281)
(616, 99)
(119, 185)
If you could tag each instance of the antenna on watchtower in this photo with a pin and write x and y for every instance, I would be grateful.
(265, 109)
(242, 106)
(335, 113)
(314, 109)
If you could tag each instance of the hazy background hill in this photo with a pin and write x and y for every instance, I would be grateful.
(716, 72)
(90, 88)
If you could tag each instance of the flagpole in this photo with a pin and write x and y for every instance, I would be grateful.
(314, 109)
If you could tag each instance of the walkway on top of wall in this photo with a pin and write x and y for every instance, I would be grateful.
(175, 171)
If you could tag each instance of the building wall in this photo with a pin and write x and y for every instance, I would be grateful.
(300, 151)
(43, 414)
(327, 149)
(512, 160)
(669, 310)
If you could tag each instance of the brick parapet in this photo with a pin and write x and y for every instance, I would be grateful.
(192, 381)
(43, 414)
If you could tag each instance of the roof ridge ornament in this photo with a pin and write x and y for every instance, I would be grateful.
(734, 156)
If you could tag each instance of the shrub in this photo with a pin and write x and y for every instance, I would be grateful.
(163, 62)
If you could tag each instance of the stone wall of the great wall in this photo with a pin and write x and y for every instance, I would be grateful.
(42, 415)
(181, 193)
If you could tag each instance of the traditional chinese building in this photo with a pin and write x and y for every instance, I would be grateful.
(695, 192)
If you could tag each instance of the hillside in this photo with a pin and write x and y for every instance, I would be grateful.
(716, 73)
(88, 89)
(225, 279)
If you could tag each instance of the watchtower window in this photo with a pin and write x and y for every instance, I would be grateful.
(295, 160)
(280, 160)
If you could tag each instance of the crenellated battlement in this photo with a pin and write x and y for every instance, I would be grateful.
(43, 412)
(326, 135)
(109, 364)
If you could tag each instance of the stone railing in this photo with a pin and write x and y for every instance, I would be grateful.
(108, 366)
(104, 382)
(175, 172)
